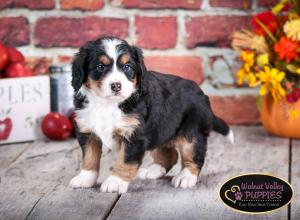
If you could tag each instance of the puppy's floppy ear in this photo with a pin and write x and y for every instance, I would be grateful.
(138, 53)
(79, 67)
(139, 58)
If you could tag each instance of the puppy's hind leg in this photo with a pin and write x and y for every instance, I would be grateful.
(164, 158)
(192, 154)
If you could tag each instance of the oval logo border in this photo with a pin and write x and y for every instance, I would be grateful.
(263, 212)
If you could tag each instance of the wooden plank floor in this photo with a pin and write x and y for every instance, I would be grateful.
(35, 176)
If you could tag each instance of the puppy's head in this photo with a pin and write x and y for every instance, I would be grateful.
(109, 68)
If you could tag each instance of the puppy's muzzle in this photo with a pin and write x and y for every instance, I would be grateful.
(116, 87)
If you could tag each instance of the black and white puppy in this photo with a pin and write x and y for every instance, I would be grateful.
(119, 103)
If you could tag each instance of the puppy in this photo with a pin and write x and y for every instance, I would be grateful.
(119, 103)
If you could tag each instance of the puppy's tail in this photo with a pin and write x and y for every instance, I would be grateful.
(221, 127)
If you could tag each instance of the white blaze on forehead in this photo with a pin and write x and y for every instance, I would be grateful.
(110, 46)
(115, 75)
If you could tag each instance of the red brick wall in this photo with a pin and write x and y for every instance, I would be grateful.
(190, 38)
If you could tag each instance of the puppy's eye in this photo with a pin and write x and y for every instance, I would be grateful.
(126, 68)
(100, 68)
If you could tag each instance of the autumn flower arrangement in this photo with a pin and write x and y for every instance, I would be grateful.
(270, 54)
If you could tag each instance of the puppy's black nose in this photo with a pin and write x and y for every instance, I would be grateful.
(116, 87)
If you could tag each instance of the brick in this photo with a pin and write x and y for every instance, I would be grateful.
(81, 4)
(213, 30)
(65, 59)
(158, 4)
(39, 65)
(41, 4)
(266, 3)
(236, 109)
(241, 4)
(14, 31)
(150, 31)
(184, 66)
(74, 32)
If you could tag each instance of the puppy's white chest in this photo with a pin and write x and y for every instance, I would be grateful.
(102, 119)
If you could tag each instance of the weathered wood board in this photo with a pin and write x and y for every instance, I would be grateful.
(18, 196)
(295, 179)
(66, 203)
(35, 177)
(254, 151)
(35, 180)
(47, 161)
(9, 153)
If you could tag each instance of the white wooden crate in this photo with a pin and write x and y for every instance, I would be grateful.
(24, 102)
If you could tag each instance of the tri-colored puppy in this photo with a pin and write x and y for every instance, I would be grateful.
(119, 103)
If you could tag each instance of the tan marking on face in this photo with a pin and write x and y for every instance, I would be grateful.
(104, 60)
(123, 170)
(127, 126)
(124, 59)
(166, 156)
(93, 85)
(92, 155)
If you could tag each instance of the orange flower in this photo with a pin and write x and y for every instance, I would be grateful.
(287, 49)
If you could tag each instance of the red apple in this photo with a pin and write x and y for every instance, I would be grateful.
(56, 126)
(4, 59)
(15, 55)
(5, 128)
(17, 70)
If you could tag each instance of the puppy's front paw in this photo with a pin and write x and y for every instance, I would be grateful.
(154, 171)
(185, 179)
(86, 178)
(114, 184)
